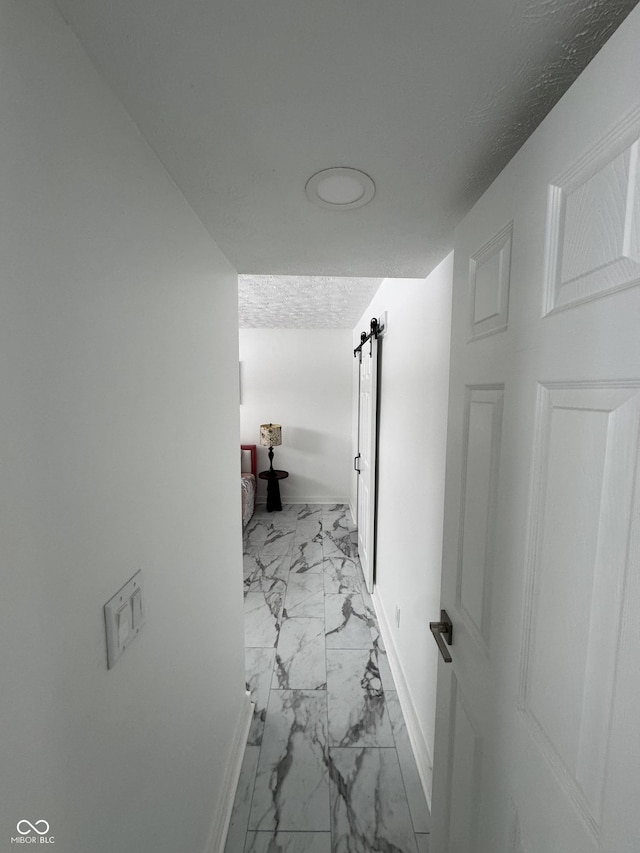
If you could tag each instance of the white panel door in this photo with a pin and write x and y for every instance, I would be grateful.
(537, 730)
(367, 431)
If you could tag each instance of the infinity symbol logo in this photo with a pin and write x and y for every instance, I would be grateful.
(44, 827)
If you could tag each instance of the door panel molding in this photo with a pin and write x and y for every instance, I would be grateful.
(489, 283)
(593, 222)
(577, 563)
(482, 433)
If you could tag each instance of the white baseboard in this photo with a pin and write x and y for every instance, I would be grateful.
(418, 743)
(330, 499)
(222, 817)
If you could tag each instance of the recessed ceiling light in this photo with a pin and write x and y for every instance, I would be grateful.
(340, 188)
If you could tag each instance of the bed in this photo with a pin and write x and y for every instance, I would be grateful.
(248, 481)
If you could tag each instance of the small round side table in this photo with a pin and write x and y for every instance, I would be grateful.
(273, 478)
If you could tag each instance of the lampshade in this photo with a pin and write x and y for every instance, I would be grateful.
(270, 435)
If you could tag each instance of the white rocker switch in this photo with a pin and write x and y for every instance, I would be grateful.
(136, 608)
(123, 623)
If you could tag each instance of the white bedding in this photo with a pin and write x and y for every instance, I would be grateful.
(248, 483)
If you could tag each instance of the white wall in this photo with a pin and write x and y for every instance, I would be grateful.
(300, 378)
(411, 467)
(119, 416)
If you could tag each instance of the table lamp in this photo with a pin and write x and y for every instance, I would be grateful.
(270, 436)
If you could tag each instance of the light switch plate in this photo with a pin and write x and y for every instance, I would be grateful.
(124, 616)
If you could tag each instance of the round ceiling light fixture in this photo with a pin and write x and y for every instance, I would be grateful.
(341, 188)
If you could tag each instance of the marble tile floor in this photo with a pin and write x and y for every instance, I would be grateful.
(328, 767)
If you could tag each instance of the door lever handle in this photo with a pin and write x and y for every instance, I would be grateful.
(441, 629)
(355, 459)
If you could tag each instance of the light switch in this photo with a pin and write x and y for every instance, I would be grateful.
(136, 608)
(123, 623)
(124, 617)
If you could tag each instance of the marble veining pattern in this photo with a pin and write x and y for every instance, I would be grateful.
(307, 557)
(265, 574)
(277, 543)
(356, 700)
(369, 810)
(259, 669)
(328, 765)
(339, 543)
(347, 623)
(300, 657)
(288, 842)
(292, 782)
(305, 596)
(262, 618)
(341, 575)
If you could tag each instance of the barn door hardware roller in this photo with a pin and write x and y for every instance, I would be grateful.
(441, 629)
(376, 329)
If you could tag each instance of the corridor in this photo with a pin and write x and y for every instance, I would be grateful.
(328, 765)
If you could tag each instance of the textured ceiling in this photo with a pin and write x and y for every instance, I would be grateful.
(244, 100)
(303, 302)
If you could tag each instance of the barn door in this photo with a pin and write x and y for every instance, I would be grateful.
(537, 735)
(367, 445)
